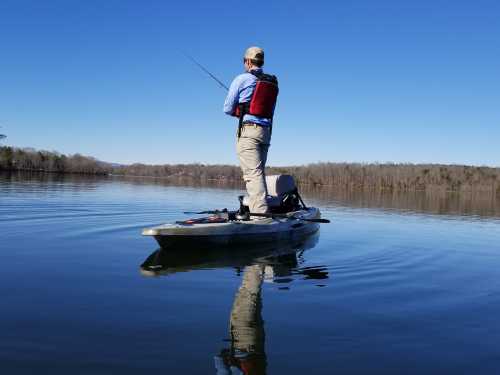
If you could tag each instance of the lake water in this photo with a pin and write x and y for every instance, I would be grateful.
(406, 283)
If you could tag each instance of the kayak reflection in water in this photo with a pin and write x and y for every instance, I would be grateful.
(276, 263)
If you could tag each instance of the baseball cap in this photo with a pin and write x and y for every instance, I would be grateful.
(255, 53)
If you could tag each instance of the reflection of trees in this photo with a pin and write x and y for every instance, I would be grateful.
(431, 201)
(53, 182)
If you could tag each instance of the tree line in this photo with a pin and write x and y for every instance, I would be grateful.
(388, 176)
(28, 159)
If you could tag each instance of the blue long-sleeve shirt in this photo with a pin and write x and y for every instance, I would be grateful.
(241, 91)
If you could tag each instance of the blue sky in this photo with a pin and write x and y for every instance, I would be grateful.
(360, 81)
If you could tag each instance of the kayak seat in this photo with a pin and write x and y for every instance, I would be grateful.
(280, 184)
(280, 188)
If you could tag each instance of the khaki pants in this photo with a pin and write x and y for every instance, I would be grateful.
(252, 149)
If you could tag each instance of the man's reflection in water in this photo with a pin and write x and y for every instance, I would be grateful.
(246, 327)
(276, 263)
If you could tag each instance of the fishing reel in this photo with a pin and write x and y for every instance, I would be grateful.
(243, 212)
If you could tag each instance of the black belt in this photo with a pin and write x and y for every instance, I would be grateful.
(254, 124)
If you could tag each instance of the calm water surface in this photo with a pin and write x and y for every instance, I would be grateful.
(406, 284)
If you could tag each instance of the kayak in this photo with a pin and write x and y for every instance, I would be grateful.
(215, 230)
(289, 219)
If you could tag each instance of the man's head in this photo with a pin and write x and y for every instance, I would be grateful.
(253, 58)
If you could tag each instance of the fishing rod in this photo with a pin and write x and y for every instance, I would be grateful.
(270, 215)
(205, 70)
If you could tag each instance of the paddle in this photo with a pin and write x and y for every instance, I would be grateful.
(284, 216)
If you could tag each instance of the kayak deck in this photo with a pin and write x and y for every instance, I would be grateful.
(235, 232)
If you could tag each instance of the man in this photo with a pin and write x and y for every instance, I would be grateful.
(252, 98)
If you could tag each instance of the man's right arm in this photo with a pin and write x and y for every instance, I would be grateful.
(232, 97)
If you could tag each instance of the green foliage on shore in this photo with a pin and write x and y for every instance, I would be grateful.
(395, 177)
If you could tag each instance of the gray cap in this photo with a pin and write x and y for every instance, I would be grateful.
(255, 54)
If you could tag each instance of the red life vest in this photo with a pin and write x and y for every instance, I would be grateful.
(263, 98)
